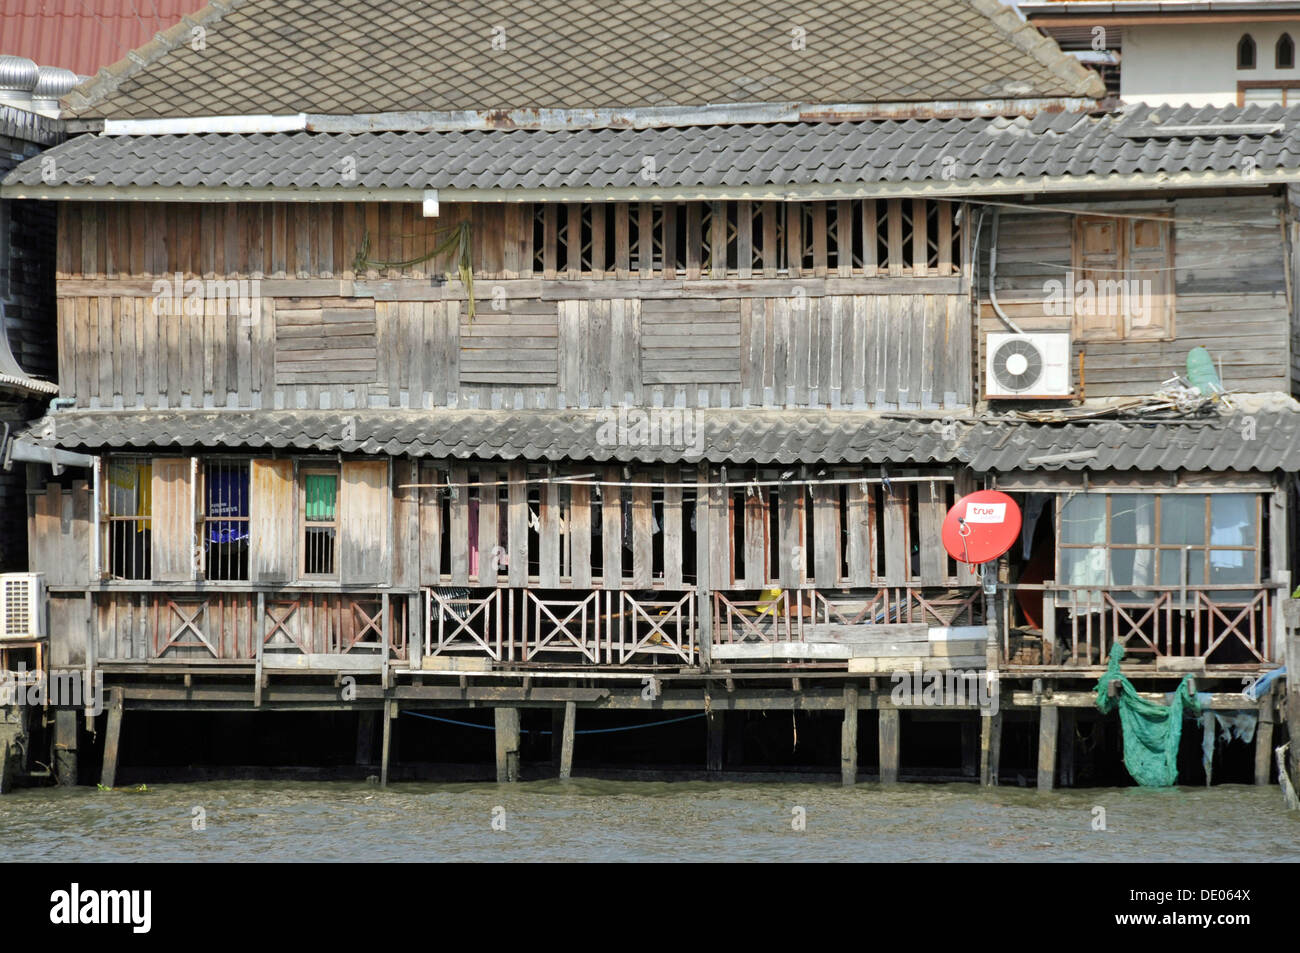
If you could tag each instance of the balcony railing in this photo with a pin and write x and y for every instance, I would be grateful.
(1216, 625)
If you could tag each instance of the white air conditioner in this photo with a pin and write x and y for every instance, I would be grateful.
(22, 605)
(1027, 366)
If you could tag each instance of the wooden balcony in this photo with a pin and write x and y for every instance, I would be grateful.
(1180, 628)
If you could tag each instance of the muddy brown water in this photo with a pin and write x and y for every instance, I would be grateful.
(597, 820)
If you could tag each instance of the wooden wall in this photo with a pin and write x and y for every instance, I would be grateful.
(406, 524)
(1230, 294)
(836, 319)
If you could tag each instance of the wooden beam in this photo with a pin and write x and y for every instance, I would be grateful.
(1207, 741)
(889, 745)
(1048, 729)
(566, 742)
(507, 743)
(390, 712)
(1065, 748)
(112, 739)
(366, 737)
(715, 742)
(65, 746)
(1264, 740)
(849, 735)
(990, 748)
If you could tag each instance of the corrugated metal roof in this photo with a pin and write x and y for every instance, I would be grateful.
(369, 56)
(84, 35)
(912, 150)
(1268, 440)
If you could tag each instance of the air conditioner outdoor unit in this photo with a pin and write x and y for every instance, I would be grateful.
(1027, 366)
(22, 605)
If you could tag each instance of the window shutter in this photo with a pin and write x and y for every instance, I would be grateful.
(1150, 312)
(363, 523)
(172, 520)
(1099, 263)
(271, 512)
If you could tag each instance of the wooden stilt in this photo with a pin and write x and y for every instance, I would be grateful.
(717, 737)
(1065, 754)
(570, 718)
(734, 731)
(1048, 729)
(557, 735)
(389, 712)
(507, 738)
(849, 736)
(1207, 741)
(889, 745)
(970, 747)
(112, 739)
(366, 737)
(65, 746)
(990, 748)
(1264, 740)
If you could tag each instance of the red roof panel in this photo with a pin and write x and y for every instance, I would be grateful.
(84, 35)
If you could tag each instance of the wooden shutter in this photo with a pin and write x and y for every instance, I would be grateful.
(1098, 261)
(271, 512)
(1149, 316)
(363, 523)
(172, 520)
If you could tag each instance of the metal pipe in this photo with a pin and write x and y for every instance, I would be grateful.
(993, 275)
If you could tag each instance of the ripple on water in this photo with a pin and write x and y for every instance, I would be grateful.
(585, 820)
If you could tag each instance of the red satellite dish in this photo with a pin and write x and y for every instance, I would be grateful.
(981, 527)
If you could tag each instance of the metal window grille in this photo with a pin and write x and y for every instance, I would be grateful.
(127, 528)
(320, 489)
(226, 524)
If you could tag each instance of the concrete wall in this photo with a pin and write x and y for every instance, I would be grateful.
(1196, 64)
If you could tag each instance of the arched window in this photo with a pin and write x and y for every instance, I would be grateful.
(1284, 52)
(1246, 52)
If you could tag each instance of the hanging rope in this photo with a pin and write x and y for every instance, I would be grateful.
(457, 240)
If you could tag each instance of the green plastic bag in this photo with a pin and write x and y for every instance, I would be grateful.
(1151, 730)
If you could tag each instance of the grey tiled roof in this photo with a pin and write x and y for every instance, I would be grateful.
(913, 150)
(728, 436)
(372, 56)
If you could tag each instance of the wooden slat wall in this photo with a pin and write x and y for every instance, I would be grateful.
(173, 522)
(364, 521)
(1230, 295)
(272, 512)
(267, 309)
(58, 534)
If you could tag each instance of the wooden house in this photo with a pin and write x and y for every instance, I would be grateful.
(719, 374)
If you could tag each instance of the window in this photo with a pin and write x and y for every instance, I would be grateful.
(1284, 52)
(1168, 540)
(1264, 92)
(1123, 271)
(127, 527)
(225, 520)
(320, 527)
(700, 239)
(1246, 52)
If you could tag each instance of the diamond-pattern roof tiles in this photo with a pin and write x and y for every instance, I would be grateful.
(371, 56)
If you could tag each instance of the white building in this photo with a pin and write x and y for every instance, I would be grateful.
(1182, 52)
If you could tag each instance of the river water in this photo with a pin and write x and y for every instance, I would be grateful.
(597, 820)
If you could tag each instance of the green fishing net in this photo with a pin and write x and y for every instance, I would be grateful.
(1151, 730)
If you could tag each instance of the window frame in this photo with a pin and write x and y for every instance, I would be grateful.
(1245, 39)
(108, 519)
(305, 469)
(1277, 52)
(205, 518)
(1287, 86)
(1127, 221)
(1156, 547)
